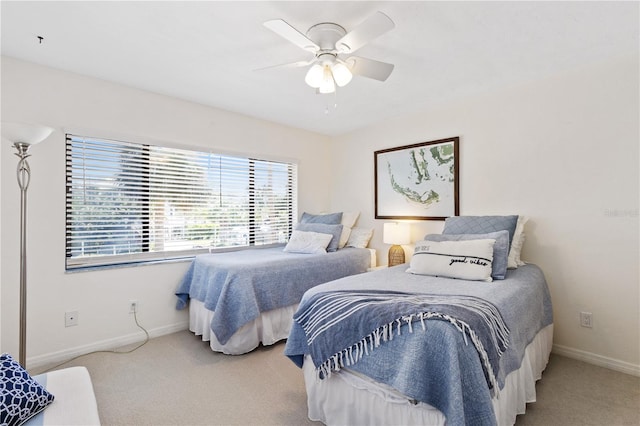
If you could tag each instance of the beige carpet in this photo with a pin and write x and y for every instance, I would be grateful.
(177, 380)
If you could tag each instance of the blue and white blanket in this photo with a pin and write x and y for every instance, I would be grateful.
(238, 286)
(338, 325)
(440, 364)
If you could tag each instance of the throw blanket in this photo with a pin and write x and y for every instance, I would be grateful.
(337, 325)
(239, 285)
(435, 365)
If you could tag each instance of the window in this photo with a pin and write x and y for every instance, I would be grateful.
(129, 202)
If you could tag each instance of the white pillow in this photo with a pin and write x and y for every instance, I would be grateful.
(349, 218)
(344, 236)
(348, 222)
(467, 260)
(519, 261)
(516, 244)
(308, 242)
(360, 237)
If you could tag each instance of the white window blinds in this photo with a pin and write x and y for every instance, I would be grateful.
(129, 202)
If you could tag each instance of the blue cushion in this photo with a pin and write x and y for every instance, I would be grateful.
(500, 248)
(480, 225)
(322, 228)
(21, 397)
(329, 219)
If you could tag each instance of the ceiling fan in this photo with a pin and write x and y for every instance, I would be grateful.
(328, 42)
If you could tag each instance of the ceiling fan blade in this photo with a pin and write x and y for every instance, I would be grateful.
(286, 31)
(288, 65)
(368, 30)
(369, 68)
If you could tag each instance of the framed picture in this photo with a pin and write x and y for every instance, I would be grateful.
(418, 181)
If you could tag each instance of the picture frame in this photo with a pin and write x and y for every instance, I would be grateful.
(419, 181)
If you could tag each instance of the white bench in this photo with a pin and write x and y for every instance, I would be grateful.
(74, 403)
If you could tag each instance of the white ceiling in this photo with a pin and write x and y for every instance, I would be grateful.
(208, 52)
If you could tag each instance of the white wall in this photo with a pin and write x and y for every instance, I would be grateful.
(32, 93)
(563, 151)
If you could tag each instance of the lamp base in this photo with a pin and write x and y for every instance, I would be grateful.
(396, 255)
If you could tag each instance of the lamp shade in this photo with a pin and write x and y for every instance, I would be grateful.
(396, 233)
(314, 76)
(341, 74)
(328, 85)
(25, 133)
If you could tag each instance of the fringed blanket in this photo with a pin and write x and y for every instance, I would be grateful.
(343, 326)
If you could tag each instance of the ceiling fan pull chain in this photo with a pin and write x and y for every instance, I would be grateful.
(327, 110)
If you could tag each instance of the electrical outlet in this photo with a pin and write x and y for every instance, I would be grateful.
(70, 318)
(586, 319)
(133, 306)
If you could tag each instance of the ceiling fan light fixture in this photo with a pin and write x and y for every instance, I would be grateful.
(315, 76)
(327, 41)
(328, 85)
(341, 74)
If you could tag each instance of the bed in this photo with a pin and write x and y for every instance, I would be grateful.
(392, 347)
(240, 299)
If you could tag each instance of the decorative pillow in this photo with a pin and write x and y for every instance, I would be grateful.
(349, 218)
(21, 397)
(516, 244)
(329, 219)
(480, 225)
(344, 236)
(467, 260)
(500, 248)
(307, 242)
(334, 230)
(348, 222)
(517, 248)
(359, 237)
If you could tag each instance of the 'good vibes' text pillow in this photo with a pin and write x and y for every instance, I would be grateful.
(467, 260)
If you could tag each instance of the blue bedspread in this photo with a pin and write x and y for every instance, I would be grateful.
(240, 285)
(439, 365)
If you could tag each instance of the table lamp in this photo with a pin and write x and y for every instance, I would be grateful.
(396, 233)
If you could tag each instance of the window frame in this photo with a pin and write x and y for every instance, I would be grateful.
(147, 255)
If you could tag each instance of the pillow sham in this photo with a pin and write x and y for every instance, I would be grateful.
(480, 225)
(348, 222)
(307, 242)
(360, 237)
(21, 397)
(349, 218)
(500, 248)
(344, 236)
(334, 230)
(516, 244)
(467, 260)
(329, 219)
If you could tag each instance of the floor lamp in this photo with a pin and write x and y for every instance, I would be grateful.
(23, 136)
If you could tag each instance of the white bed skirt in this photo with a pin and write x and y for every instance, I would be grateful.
(269, 328)
(347, 398)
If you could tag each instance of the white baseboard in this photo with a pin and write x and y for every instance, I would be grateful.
(104, 345)
(599, 360)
